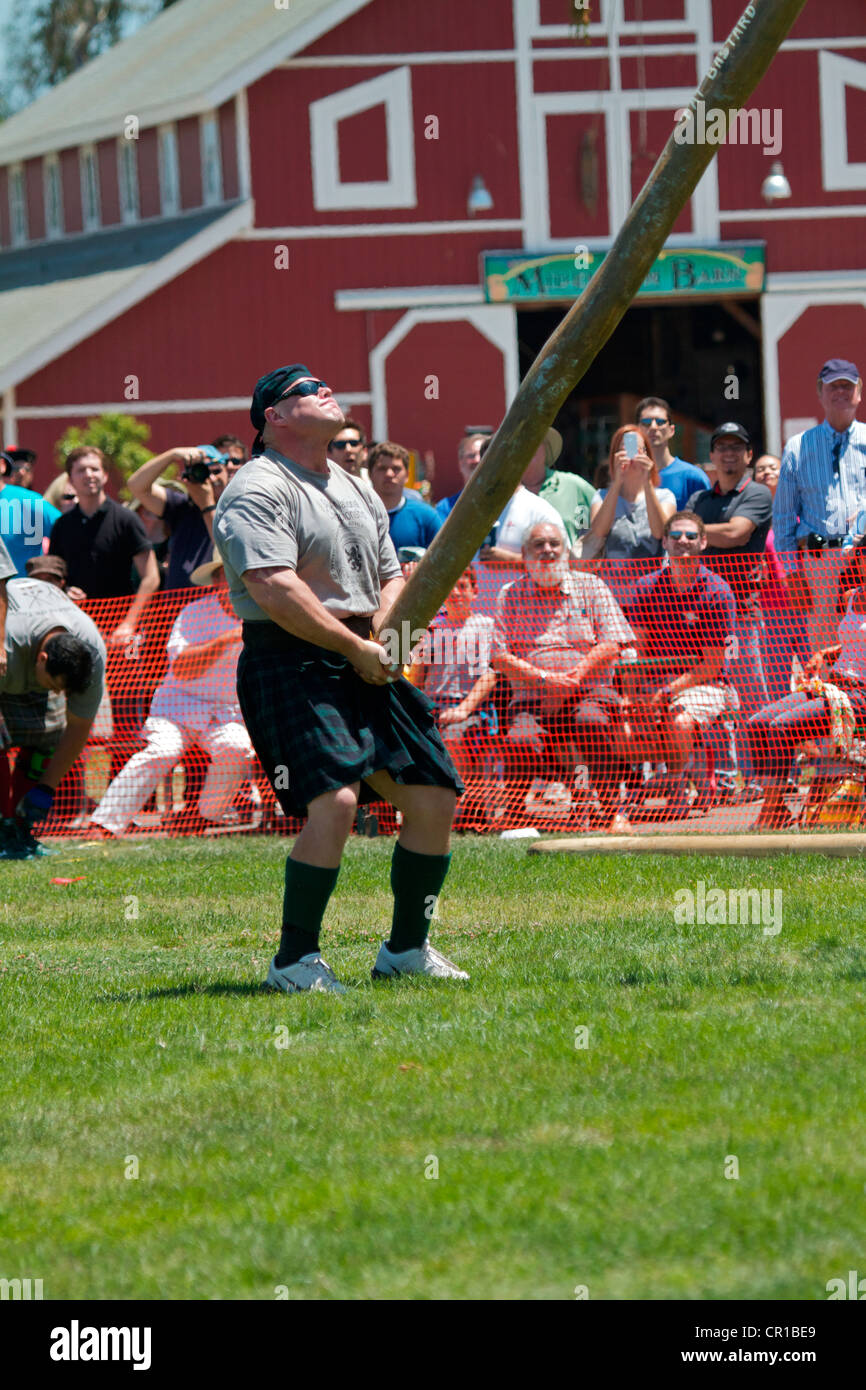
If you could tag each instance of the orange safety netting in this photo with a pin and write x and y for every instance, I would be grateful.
(571, 762)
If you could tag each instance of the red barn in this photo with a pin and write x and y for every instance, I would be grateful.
(240, 184)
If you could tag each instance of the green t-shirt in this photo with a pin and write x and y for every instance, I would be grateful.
(571, 496)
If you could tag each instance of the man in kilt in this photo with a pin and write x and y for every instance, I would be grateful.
(312, 572)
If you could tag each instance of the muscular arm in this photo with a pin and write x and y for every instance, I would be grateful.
(71, 744)
(143, 483)
(291, 603)
(390, 590)
(724, 535)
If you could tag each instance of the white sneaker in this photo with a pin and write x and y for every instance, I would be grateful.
(309, 973)
(423, 961)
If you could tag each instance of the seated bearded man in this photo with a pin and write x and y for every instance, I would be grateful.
(557, 635)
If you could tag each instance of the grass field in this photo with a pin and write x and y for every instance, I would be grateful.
(282, 1144)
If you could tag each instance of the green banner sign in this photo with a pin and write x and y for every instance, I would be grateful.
(717, 270)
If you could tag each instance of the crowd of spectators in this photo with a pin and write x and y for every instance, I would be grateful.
(642, 632)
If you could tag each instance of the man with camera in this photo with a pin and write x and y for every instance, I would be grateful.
(820, 496)
(188, 517)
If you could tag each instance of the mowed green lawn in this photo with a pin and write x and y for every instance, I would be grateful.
(287, 1145)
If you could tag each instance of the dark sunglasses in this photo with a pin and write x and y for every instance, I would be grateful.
(653, 420)
(305, 388)
(684, 535)
(345, 444)
(69, 497)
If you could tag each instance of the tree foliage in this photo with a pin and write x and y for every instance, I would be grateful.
(120, 437)
(50, 40)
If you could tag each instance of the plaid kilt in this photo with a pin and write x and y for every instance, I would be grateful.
(309, 713)
(34, 720)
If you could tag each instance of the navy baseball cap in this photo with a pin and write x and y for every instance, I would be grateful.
(731, 428)
(837, 369)
(269, 389)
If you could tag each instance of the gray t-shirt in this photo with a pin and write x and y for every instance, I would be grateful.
(332, 531)
(7, 569)
(34, 609)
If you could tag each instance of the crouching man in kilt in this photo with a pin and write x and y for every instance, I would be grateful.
(312, 571)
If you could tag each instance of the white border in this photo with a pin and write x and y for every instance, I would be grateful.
(128, 216)
(781, 307)
(377, 229)
(167, 209)
(330, 192)
(17, 175)
(210, 199)
(397, 297)
(834, 75)
(89, 224)
(172, 407)
(497, 324)
(52, 161)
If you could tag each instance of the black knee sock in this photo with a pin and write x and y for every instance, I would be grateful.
(308, 889)
(415, 882)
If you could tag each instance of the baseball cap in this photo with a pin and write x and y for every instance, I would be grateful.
(19, 458)
(53, 565)
(837, 369)
(731, 428)
(552, 446)
(268, 390)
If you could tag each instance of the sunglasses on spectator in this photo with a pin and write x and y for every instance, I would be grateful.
(646, 420)
(684, 535)
(305, 388)
(345, 443)
(69, 497)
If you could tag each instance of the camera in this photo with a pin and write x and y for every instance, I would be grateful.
(199, 471)
(814, 541)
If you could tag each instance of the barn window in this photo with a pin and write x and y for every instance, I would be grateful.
(90, 205)
(53, 193)
(331, 190)
(17, 205)
(169, 172)
(211, 162)
(127, 152)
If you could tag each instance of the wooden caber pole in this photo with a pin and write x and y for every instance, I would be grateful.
(571, 349)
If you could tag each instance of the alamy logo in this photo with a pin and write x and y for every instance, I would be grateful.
(441, 646)
(76, 1343)
(702, 125)
(718, 907)
(22, 518)
(22, 1289)
(855, 1288)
